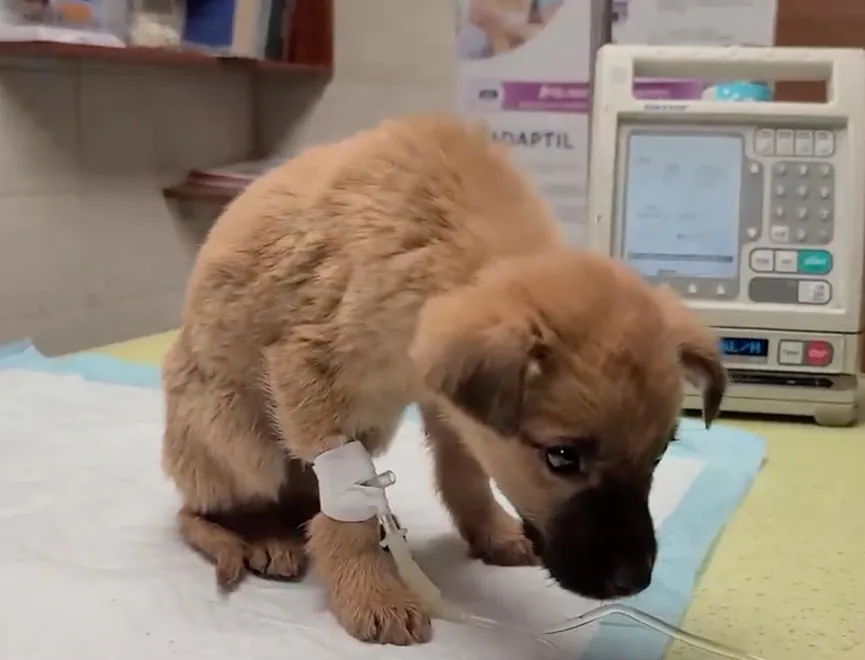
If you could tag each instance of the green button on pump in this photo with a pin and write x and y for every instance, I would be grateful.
(814, 262)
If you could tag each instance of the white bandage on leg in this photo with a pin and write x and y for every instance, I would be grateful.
(349, 490)
(348, 487)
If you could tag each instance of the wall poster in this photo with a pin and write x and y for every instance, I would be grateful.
(524, 67)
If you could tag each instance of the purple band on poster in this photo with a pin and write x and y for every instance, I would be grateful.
(573, 98)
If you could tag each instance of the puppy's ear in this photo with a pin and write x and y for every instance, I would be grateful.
(479, 361)
(698, 353)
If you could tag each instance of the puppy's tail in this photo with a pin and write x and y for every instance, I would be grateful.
(220, 545)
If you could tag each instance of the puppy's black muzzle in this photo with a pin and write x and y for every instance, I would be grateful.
(601, 543)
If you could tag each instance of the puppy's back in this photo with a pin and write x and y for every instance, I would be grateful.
(362, 231)
(418, 173)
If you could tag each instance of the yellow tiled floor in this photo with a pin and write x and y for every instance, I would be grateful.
(787, 579)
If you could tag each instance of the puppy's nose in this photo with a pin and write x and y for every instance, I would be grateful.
(632, 579)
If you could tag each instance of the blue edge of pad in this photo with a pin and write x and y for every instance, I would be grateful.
(687, 536)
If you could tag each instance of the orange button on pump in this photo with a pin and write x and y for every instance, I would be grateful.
(818, 353)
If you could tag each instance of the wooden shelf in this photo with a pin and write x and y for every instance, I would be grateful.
(188, 191)
(153, 57)
(310, 52)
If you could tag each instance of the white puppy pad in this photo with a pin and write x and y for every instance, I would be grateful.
(91, 567)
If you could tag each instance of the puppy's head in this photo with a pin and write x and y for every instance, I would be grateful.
(564, 375)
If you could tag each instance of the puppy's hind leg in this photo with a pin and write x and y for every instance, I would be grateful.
(274, 533)
(259, 539)
(244, 502)
(260, 533)
(224, 548)
(492, 534)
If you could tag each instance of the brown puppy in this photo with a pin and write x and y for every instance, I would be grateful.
(412, 263)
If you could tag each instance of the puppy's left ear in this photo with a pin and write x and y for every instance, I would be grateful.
(698, 353)
(478, 360)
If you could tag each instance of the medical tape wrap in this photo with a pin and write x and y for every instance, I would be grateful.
(343, 474)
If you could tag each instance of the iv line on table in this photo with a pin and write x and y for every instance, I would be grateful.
(414, 577)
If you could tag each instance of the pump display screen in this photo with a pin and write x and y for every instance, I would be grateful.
(681, 204)
(744, 347)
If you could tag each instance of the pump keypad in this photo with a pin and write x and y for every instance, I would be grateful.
(802, 202)
(789, 142)
(793, 261)
(804, 262)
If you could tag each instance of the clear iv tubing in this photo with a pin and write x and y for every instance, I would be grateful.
(414, 576)
(416, 579)
(655, 624)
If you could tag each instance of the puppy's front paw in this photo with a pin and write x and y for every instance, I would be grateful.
(503, 544)
(230, 566)
(278, 558)
(506, 552)
(390, 614)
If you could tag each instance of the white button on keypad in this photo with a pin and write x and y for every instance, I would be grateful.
(814, 292)
(804, 143)
(824, 143)
(784, 142)
(779, 233)
(786, 261)
(790, 352)
(762, 261)
(764, 142)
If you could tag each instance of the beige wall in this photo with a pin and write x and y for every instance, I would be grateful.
(391, 57)
(90, 253)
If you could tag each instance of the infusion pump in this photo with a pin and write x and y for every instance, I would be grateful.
(753, 212)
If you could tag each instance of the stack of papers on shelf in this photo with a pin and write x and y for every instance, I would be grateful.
(235, 176)
(60, 35)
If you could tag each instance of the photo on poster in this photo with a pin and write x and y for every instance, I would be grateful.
(490, 28)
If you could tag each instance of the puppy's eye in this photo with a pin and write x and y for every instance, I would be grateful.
(564, 459)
